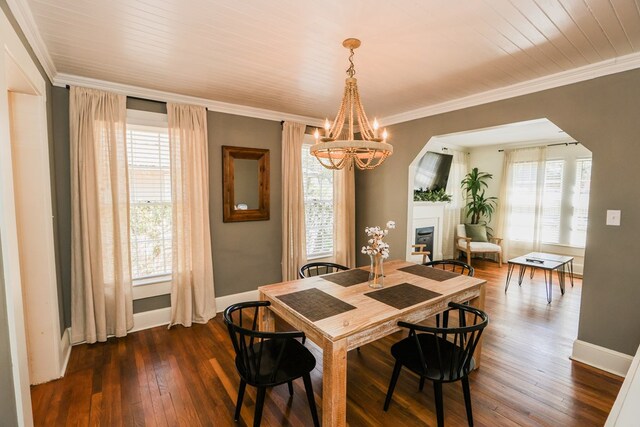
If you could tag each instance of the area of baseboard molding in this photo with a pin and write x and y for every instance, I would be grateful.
(161, 316)
(601, 357)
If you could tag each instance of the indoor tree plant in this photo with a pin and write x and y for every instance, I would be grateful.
(478, 205)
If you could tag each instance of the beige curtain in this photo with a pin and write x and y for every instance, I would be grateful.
(344, 217)
(101, 300)
(192, 291)
(508, 217)
(453, 211)
(294, 242)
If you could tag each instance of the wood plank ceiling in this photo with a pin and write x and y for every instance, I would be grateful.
(286, 55)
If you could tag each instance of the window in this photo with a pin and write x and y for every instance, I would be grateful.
(581, 203)
(318, 202)
(552, 201)
(563, 196)
(150, 200)
(523, 203)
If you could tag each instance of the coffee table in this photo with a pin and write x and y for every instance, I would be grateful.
(547, 263)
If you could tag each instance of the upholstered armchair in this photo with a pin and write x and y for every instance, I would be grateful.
(464, 244)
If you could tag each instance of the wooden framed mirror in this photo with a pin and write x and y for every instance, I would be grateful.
(245, 184)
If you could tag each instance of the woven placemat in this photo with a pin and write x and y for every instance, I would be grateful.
(403, 295)
(315, 304)
(348, 278)
(437, 274)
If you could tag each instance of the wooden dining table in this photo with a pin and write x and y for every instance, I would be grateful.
(340, 312)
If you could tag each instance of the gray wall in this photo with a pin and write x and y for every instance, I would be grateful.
(603, 115)
(245, 254)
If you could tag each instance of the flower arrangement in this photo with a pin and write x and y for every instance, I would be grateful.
(378, 251)
(376, 244)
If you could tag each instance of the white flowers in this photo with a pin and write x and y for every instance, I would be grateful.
(376, 244)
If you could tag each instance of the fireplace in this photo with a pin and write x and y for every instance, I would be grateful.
(424, 236)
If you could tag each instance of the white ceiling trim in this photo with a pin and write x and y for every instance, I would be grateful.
(588, 72)
(22, 12)
(62, 79)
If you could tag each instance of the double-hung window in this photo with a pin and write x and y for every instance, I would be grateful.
(553, 196)
(149, 196)
(318, 202)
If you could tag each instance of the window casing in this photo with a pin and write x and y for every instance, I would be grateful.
(318, 202)
(150, 201)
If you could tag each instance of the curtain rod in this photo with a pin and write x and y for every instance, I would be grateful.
(553, 145)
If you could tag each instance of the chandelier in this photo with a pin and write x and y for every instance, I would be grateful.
(339, 148)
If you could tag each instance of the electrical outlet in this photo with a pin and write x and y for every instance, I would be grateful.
(613, 217)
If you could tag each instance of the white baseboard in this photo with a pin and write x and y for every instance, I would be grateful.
(65, 350)
(227, 300)
(151, 319)
(601, 357)
(162, 316)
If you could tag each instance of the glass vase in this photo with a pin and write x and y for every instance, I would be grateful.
(376, 274)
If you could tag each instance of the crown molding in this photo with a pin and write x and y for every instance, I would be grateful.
(587, 72)
(63, 80)
(22, 13)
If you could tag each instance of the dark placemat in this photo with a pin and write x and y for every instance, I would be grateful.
(315, 304)
(432, 273)
(403, 295)
(348, 278)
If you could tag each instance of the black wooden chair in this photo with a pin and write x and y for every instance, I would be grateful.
(267, 359)
(450, 265)
(319, 268)
(441, 355)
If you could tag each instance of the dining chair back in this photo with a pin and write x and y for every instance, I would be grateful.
(319, 268)
(267, 359)
(452, 265)
(440, 354)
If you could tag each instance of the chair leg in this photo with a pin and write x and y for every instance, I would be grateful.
(469, 258)
(392, 385)
(257, 417)
(467, 400)
(437, 388)
(290, 384)
(421, 383)
(312, 401)
(243, 385)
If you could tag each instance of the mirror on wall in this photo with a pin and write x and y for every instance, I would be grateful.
(245, 181)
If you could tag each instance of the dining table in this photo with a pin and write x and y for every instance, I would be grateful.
(340, 312)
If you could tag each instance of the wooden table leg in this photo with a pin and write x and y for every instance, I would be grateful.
(266, 319)
(478, 302)
(334, 383)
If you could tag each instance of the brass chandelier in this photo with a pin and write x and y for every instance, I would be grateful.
(339, 148)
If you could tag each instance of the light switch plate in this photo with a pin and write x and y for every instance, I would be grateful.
(613, 217)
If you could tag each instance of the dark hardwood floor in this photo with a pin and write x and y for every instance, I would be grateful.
(186, 376)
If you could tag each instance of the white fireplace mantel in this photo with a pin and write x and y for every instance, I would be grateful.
(426, 214)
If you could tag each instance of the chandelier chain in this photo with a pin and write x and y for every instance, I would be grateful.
(351, 71)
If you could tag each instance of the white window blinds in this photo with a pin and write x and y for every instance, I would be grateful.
(318, 202)
(552, 201)
(150, 200)
(580, 215)
(523, 201)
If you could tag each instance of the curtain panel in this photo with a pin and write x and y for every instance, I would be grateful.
(454, 211)
(101, 294)
(519, 206)
(294, 243)
(344, 217)
(192, 288)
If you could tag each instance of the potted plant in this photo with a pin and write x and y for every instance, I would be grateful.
(478, 205)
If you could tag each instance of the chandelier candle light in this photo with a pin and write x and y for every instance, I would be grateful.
(339, 148)
(378, 251)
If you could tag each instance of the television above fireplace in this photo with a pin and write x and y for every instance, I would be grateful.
(432, 172)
